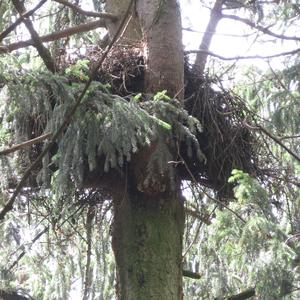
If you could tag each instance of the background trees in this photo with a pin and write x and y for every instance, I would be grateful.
(240, 117)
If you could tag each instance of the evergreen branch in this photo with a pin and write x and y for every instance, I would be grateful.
(68, 119)
(81, 11)
(54, 36)
(292, 52)
(38, 44)
(190, 274)
(26, 144)
(260, 28)
(27, 14)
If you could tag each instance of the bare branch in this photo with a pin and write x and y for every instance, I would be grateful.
(54, 36)
(87, 13)
(68, 119)
(215, 17)
(190, 274)
(42, 50)
(27, 14)
(243, 295)
(26, 144)
(274, 138)
(260, 28)
(292, 52)
(205, 219)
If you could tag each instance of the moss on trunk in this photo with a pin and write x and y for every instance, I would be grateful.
(147, 242)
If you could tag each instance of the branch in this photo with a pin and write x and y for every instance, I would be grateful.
(81, 11)
(295, 51)
(11, 27)
(279, 142)
(243, 295)
(26, 144)
(54, 36)
(260, 28)
(196, 214)
(9, 205)
(215, 17)
(274, 138)
(42, 50)
(190, 274)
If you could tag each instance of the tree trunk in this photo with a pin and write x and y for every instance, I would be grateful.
(148, 224)
(147, 242)
(162, 34)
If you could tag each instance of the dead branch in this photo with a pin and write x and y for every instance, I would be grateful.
(215, 17)
(54, 36)
(279, 142)
(260, 28)
(26, 144)
(68, 119)
(81, 11)
(38, 44)
(295, 51)
(243, 295)
(27, 14)
(196, 214)
(274, 138)
(190, 274)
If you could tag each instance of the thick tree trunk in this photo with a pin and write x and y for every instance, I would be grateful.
(147, 242)
(133, 33)
(148, 223)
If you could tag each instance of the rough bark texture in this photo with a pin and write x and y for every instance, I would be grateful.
(161, 26)
(148, 223)
(147, 242)
(133, 32)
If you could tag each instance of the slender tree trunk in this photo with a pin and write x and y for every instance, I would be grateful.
(215, 17)
(147, 242)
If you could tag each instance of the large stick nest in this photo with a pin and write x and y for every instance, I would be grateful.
(226, 142)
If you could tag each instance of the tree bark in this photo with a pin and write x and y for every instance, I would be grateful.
(215, 17)
(147, 243)
(133, 33)
(148, 223)
(162, 34)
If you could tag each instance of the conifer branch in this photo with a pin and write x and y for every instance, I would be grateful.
(68, 119)
(54, 36)
(81, 11)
